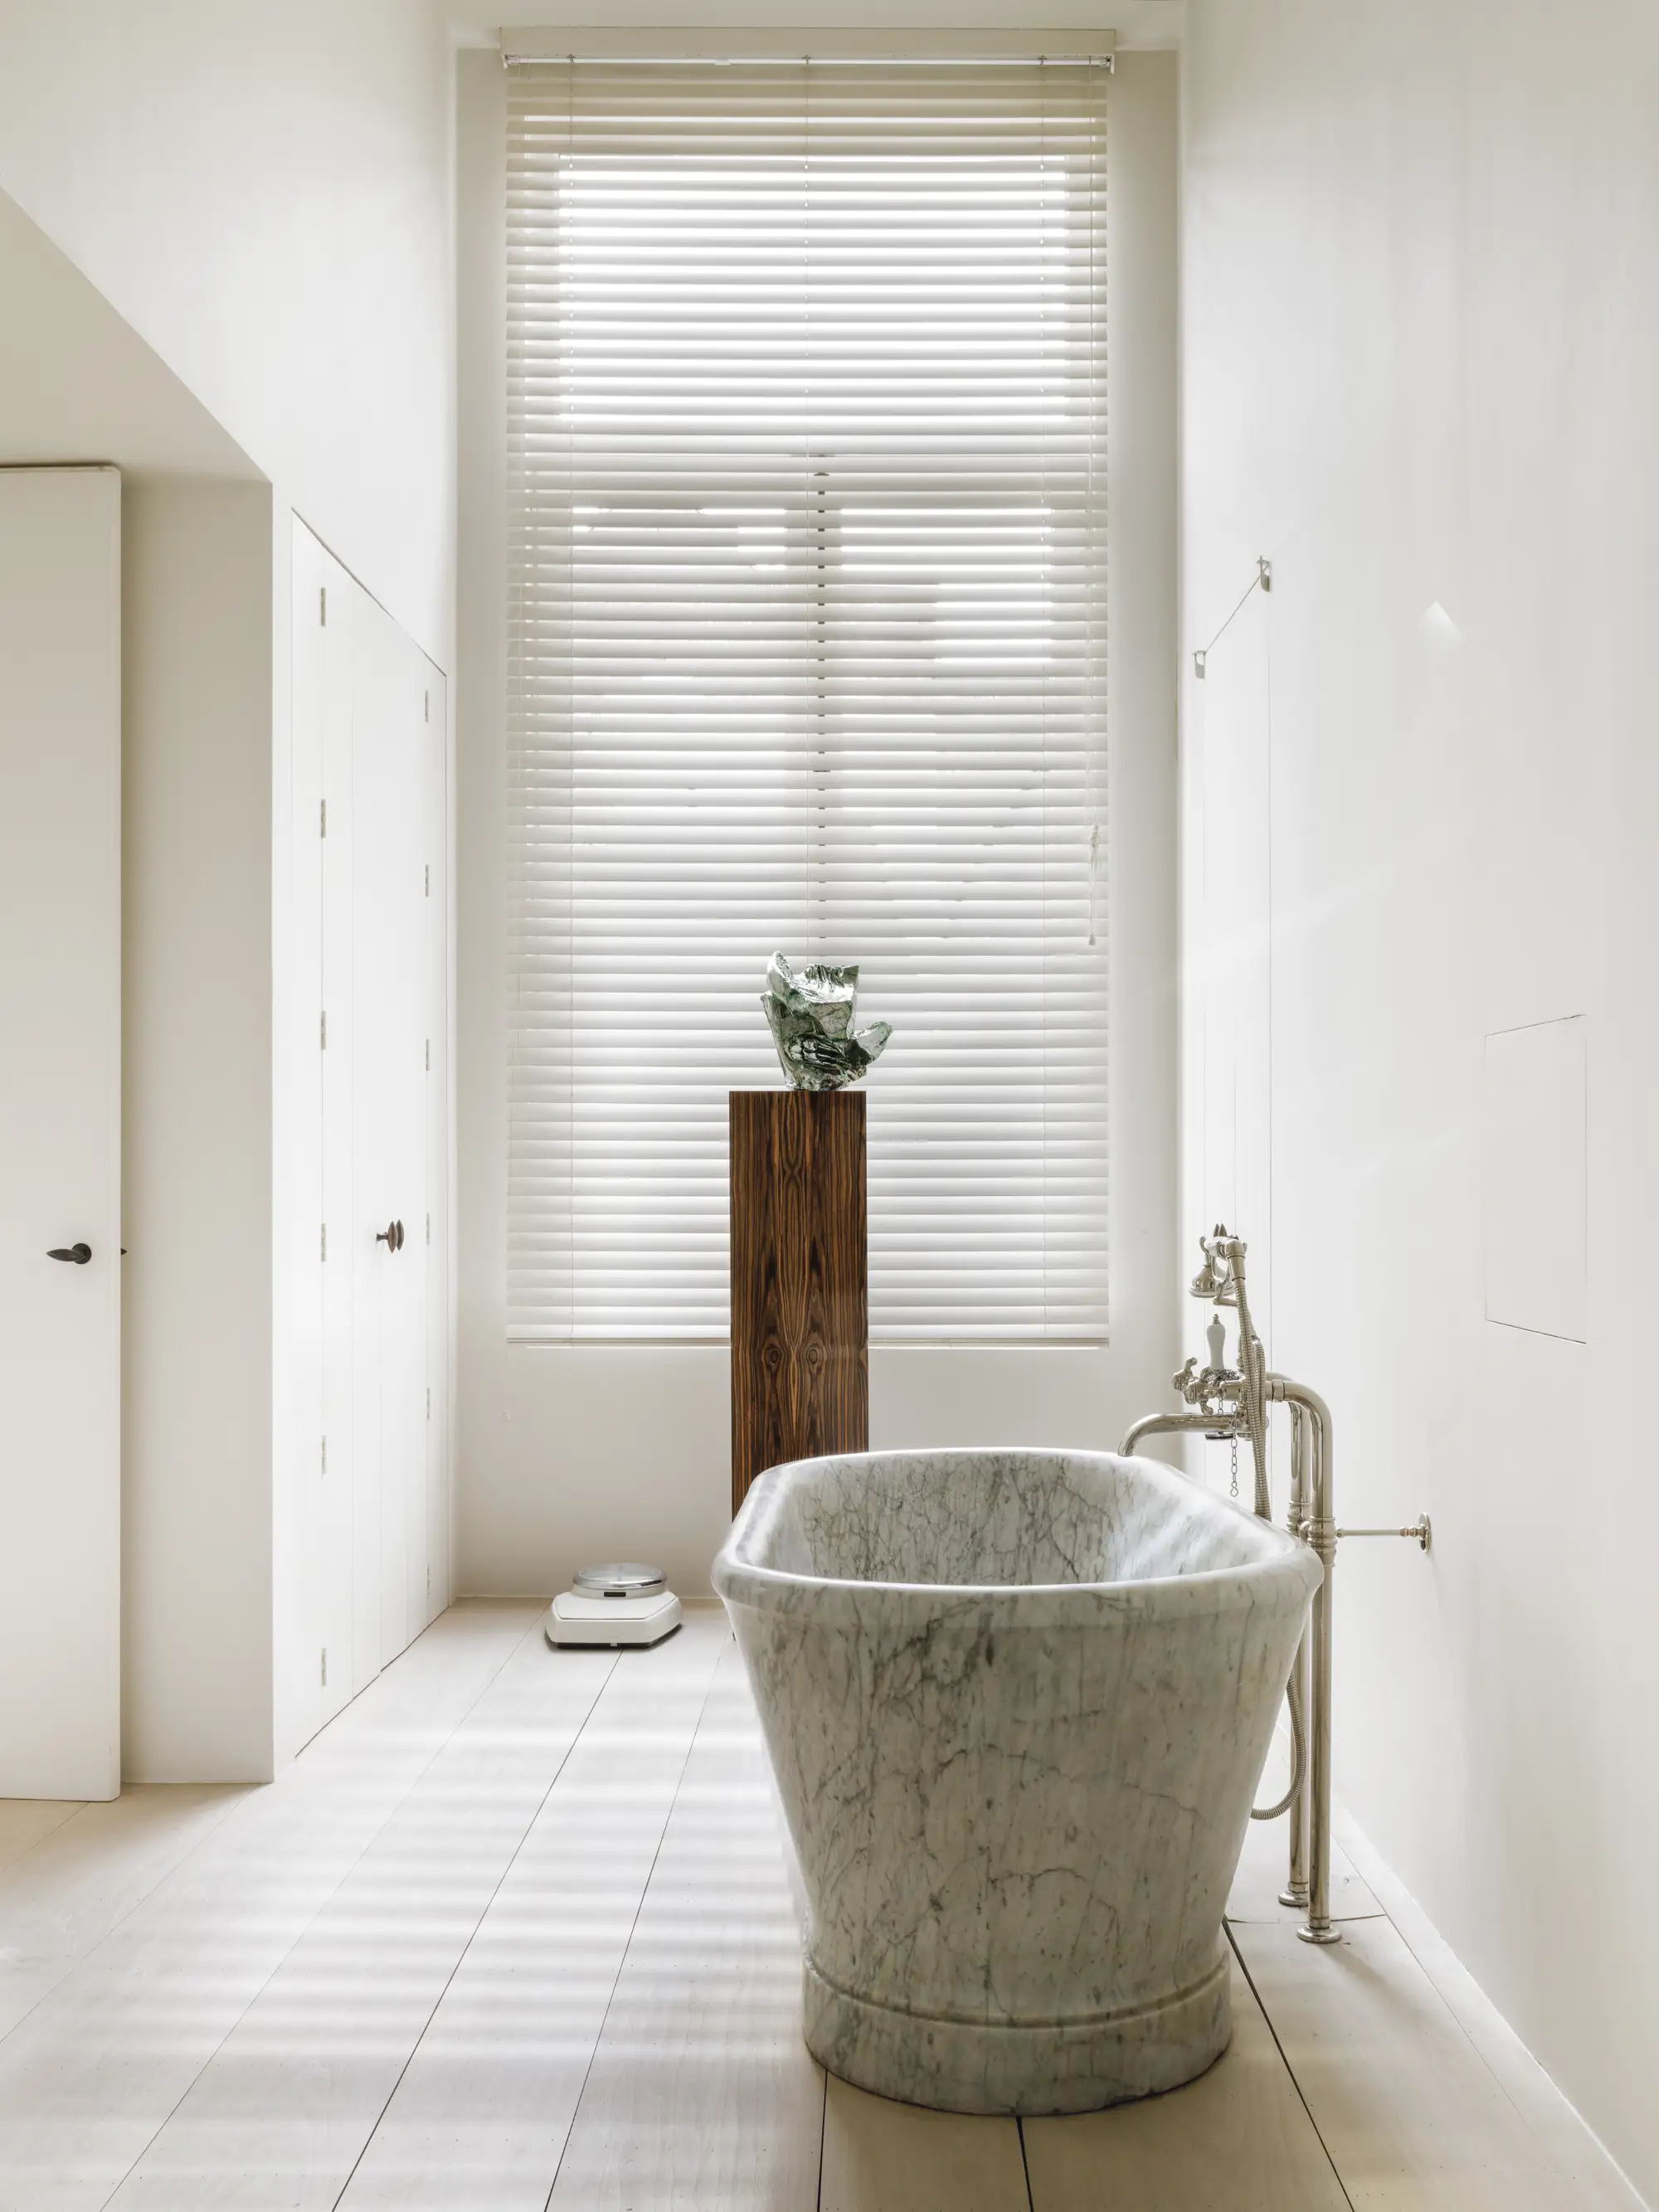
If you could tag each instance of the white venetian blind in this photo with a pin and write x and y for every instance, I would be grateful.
(806, 371)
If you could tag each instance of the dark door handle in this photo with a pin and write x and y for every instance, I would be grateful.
(76, 1254)
(392, 1236)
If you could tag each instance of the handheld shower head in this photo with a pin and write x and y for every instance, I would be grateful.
(1211, 1280)
(1214, 1280)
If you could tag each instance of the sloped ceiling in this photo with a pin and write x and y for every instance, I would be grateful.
(78, 384)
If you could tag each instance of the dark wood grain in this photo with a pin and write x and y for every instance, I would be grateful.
(800, 1361)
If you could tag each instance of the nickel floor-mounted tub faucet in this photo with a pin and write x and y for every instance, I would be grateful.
(1232, 1403)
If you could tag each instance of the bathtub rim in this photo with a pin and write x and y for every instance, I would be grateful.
(1288, 1569)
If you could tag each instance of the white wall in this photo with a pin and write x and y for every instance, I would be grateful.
(263, 190)
(572, 1453)
(261, 194)
(1421, 315)
(77, 383)
(197, 1369)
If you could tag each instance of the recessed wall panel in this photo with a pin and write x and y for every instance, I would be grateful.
(1536, 1157)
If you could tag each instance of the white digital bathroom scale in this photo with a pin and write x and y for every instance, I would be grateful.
(622, 1602)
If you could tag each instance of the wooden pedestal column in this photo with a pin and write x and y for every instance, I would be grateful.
(800, 1373)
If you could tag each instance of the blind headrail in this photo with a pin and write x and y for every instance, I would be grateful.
(564, 42)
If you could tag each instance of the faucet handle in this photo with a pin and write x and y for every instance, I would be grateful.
(1186, 1382)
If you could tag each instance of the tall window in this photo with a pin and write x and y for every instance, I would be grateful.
(807, 370)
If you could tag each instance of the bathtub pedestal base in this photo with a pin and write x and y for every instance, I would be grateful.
(1053, 2066)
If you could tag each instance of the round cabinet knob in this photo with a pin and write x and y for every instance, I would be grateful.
(392, 1236)
(76, 1254)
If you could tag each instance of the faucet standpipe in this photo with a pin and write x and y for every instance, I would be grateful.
(1229, 1403)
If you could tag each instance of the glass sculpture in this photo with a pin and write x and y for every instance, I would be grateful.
(811, 1014)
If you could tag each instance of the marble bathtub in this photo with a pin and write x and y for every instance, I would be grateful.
(1017, 1703)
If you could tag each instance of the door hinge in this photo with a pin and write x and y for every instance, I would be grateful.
(322, 1027)
(429, 1401)
(426, 706)
(326, 1666)
(322, 605)
(428, 1055)
(324, 1455)
(325, 1240)
(322, 817)
(429, 1229)
(428, 879)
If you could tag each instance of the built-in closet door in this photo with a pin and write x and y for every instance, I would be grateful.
(372, 807)
(439, 1125)
(322, 1338)
(60, 1132)
(391, 1076)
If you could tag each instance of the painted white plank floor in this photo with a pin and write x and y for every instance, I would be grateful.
(1567, 2146)
(93, 2070)
(280, 2113)
(1408, 2109)
(81, 1878)
(1239, 2139)
(481, 2115)
(701, 2091)
(25, 1820)
(883, 2157)
(519, 1930)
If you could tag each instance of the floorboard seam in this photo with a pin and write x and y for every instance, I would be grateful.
(56, 1829)
(824, 2130)
(137, 1905)
(633, 1930)
(1244, 1969)
(508, 1657)
(461, 1955)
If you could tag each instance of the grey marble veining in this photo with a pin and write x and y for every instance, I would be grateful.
(1017, 1703)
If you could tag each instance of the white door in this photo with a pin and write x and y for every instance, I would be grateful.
(336, 593)
(322, 1362)
(390, 1057)
(60, 1132)
(438, 1305)
(372, 1323)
